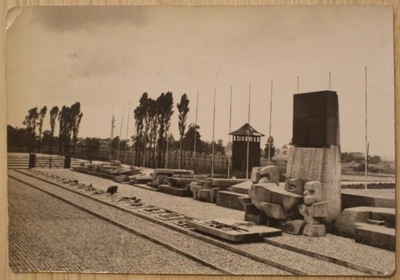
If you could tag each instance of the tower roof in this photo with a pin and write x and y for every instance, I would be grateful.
(245, 130)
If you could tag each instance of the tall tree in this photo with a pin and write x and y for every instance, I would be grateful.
(183, 110)
(53, 117)
(219, 147)
(16, 137)
(153, 124)
(139, 115)
(92, 146)
(269, 147)
(76, 117)
(64, 129)
(42, 114)
(30, 123)
(188, 139)
(165, 106)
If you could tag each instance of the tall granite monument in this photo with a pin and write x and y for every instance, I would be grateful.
(315, 155)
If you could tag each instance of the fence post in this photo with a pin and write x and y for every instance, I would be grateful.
(32, 160)
(67, 161)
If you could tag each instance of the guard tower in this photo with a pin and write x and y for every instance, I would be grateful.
(239, 149)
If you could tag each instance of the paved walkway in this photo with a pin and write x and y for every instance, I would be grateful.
(333, 246)
(47, 234)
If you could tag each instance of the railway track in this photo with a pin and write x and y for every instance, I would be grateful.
(223, 257)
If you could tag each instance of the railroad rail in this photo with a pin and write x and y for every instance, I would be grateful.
(174, 235)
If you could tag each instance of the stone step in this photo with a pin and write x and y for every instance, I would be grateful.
(346, 223)
(377, 236)
(22, 161)
(352, 199)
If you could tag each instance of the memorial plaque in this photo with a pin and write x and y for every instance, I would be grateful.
(316, 119)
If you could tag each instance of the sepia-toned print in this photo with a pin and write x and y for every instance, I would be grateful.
(235, 140)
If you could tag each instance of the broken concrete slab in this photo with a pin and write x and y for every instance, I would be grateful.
(243, 187)
(274, 194)
(184, 192)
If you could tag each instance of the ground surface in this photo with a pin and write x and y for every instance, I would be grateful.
(116, 250)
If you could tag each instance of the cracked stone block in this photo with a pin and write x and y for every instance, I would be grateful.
(230, 200)
(273, 210)
(274, 194)
(295, 227)
(204, 195)
(314, 230)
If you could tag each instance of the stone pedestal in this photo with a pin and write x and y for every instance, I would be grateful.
(319, 164)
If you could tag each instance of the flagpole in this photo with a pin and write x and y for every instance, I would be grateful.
(127, 132)
(230, 136)
(298, 84)
(329, 80)
(195, 128)
(366, 130)
(213, 141)
(270, 121)
(120, 131)
(248, 137)
(112, 131)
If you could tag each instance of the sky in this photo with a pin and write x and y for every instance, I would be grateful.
(107, 57)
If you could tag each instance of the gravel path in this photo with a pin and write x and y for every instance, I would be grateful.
(184, 205)
(48, 235)
(232, 262)
(344, 249)
(332, 246)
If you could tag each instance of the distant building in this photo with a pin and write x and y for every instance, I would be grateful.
(239, 149)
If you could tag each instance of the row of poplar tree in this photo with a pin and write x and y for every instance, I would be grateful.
(153, 120)
(69, 119)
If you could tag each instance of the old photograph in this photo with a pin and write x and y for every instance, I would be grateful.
(213, 140)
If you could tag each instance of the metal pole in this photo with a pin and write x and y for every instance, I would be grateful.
(195, 128)
(112, 132)
(248, 137)
(329, 80)
(213, 139)
(120, 130)
(127, 129)
(270, 121)
(366, 131)
(230, 136)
